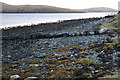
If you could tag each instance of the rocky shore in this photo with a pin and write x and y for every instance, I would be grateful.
(71, 49)
(68, 27)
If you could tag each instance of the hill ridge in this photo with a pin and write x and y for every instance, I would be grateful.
(7, 8)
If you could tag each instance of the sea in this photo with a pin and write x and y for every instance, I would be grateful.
(20, 19)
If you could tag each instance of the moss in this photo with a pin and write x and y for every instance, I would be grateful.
(112, 43)
(6, 66)
(52, 61)
(58, 56)
(62, 49)
(61, 74)
(92, 45)
(84, 61)
(86, 74)
(64, 61)
(8, 74)
(83, 49)
(29, 71)
(51, 66)
(33, 61)
(115, 40)
(85, 53)
(97, 49)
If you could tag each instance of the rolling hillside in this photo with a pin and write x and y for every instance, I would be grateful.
(6, 8)
(98, 9)
(33, 8)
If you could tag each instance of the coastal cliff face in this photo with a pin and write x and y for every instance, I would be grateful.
(85, 48)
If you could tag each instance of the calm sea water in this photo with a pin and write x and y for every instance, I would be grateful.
(14, 19)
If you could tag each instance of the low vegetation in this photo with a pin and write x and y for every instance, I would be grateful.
(113, 23)
(77, 65)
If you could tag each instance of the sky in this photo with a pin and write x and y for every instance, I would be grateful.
(71, 4)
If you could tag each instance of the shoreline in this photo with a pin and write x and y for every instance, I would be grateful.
(54, 28)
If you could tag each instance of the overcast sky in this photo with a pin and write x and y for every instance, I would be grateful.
(72, 4)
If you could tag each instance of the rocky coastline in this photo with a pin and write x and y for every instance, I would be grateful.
(73, 49)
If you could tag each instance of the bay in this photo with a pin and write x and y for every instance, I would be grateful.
(15, 19)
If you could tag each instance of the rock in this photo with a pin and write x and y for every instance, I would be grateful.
(96, 71)
(82, 33)
(48, 35)
(71, 55)
(46, 42)
(33, 65)
(80, 72)
(71, 48)
(92, 33)
(61, 65)
(54, 47)
(30, 78)
(76, 54)
(13, 77)
(42, 48)
(70, 64)
(9, 56)
(23, 71)
(14, 66)
(51, 70)
(103, 30)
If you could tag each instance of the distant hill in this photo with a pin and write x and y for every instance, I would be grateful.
(6, 8)
(98, 9)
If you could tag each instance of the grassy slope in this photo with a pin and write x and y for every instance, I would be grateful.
(112, 24)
